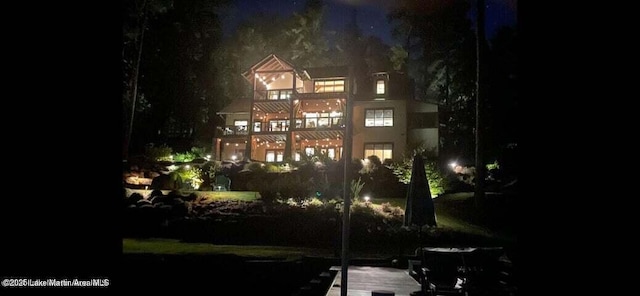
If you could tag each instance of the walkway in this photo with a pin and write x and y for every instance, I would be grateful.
(364, 279)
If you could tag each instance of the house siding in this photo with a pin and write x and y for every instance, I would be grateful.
(395, 134)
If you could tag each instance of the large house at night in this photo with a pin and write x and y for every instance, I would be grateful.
(295, 111)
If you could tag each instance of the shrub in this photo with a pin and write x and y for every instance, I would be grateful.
(437, 183)
(198, 151)
(312, 202)
(254, 166)
(271, 168)
(386, 207)
(493, 166)
(294, 186)
(162, 153)
(184, 157)
(370, 165)
(212, 167)
(356, 187)
(192, 176)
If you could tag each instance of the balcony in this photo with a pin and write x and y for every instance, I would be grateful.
(234, 130)
(281, 125)
(319, 96)
(321, 122)
(272, 95)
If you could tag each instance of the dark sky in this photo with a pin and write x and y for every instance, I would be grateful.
(371, 14)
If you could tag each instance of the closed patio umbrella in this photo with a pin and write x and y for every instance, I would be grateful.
(419, 209)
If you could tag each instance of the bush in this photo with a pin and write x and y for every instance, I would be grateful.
(184, 157)
(313, 202)
(271, 168)
(198, 151)
(254, 166)
(162, 153)
(386, 207)
(293, 185)
(437, 183)
(191, 176)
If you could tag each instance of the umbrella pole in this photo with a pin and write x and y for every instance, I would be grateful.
(423, 275)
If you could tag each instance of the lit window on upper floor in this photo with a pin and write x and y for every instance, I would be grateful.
(380, 87)
(328, 86)
(378, 117)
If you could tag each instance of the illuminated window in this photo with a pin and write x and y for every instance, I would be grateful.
(310, 151)
(279, 94)
(311, 120)
(285, 94)
(380, 87)
(381, 150)
(321, 120)
(271, 156)
(331, 152)
(326, 86)
(378, 117)
(273, 94)
(241, 126)
(278, 125)
(275, 156)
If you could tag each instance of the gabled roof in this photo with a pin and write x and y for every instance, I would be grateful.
(328, 72)
(269, 63)
(240, 106)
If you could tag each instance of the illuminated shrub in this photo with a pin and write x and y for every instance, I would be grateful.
(162, 153)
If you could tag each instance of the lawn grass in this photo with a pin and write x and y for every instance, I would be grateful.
(226, 195)
(209, 195)
(175, 247)
(456, 212)
(450, 216)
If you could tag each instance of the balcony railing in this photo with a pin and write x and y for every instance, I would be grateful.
(320, 122)
(235, 130)
(328, 95)
(266, 127)
(272, 95)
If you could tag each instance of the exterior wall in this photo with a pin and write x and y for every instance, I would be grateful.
(395, 134)
(259, 153)
(231, 118)
(418, 106)
(230, 150)
(308, 86)
(427, 136)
